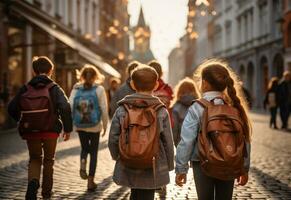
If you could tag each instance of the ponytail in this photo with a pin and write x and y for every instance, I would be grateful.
(238, 104)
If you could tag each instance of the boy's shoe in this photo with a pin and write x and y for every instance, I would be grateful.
(91, 185)
(32, 187)
(47, 195)
(83, 173)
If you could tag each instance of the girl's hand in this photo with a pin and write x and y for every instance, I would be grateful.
(242, 180)
(181, 179)
(66, 136)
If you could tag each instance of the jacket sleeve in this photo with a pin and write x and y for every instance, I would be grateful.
(175, 130)
(167, 140)
(189, 133)
(63, 108)
(102, 98)
(14, 105)
(115, 130)
(113, 103)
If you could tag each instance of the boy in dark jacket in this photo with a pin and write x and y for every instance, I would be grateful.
(143, 182)
(123, 90)
(44, 137)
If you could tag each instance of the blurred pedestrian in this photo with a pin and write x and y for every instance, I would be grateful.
(114, 84)
(125, 89)
(284, 96)
(271, 100)
(90, 117)
(164, 91)
(247, 95)
(141, 122)
(217, 79)
(42, 109)
(185, 93)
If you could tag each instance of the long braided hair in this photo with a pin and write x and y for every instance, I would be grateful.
(221, 78)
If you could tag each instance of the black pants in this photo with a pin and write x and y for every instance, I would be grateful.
(273, 112)
(142, 194)
(89, 145)
(209, 188)
(284, 114)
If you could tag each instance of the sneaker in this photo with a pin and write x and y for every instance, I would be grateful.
(32, 187)
(91, 184)
(83, 173)
(47, 195)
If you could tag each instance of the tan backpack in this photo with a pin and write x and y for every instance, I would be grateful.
(221, 142)
(139, 138)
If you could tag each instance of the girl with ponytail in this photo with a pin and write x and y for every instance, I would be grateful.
(218, 84)
(90, 116)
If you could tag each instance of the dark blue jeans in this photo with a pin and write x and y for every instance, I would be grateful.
(89, 145)
(209, 188)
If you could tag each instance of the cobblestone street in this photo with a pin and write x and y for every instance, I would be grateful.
(270, 175)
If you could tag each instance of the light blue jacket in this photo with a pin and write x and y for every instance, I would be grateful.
(187, 149)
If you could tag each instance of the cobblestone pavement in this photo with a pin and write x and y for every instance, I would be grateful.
(270, 175)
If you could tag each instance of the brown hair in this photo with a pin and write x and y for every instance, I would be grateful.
(144, 78)
(157, 66)
(273, 82)
(89, 75)
(185, 86)
(42, 65)
(222, 78)
(131, 66)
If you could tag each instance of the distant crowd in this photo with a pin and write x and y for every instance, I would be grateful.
(278, 96)
(206, 121)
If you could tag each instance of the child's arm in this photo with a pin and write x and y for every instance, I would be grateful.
(102, 98)
(115, 128)
(64, 109)
(189, 134)
(167, 139)
(176, 125)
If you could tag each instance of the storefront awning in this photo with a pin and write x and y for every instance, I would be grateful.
(74, 44)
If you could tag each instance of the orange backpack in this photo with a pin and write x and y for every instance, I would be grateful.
(221, 143)
(139, 138)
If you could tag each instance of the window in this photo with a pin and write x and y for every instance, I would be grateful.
(70, 12)
(86, 17)
(78, 15)
(289, 35)
(228, 37)
(217, 39)
(264, 19)
(57, 8)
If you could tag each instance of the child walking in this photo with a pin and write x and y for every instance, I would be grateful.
(271, 100)
(90, 117)
(42, 110)
(185, 94)
(220, 89)
(140, 138)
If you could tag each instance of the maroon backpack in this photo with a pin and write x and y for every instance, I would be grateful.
(37, 110)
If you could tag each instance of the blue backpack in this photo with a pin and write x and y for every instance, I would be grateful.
(86, 109)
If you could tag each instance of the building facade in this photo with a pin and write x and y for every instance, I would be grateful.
(248, 34)
(70, 32)
(287, 33)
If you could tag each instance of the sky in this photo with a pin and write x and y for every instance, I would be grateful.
(167, 20)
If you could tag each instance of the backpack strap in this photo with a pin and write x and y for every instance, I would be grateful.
(203, 102)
